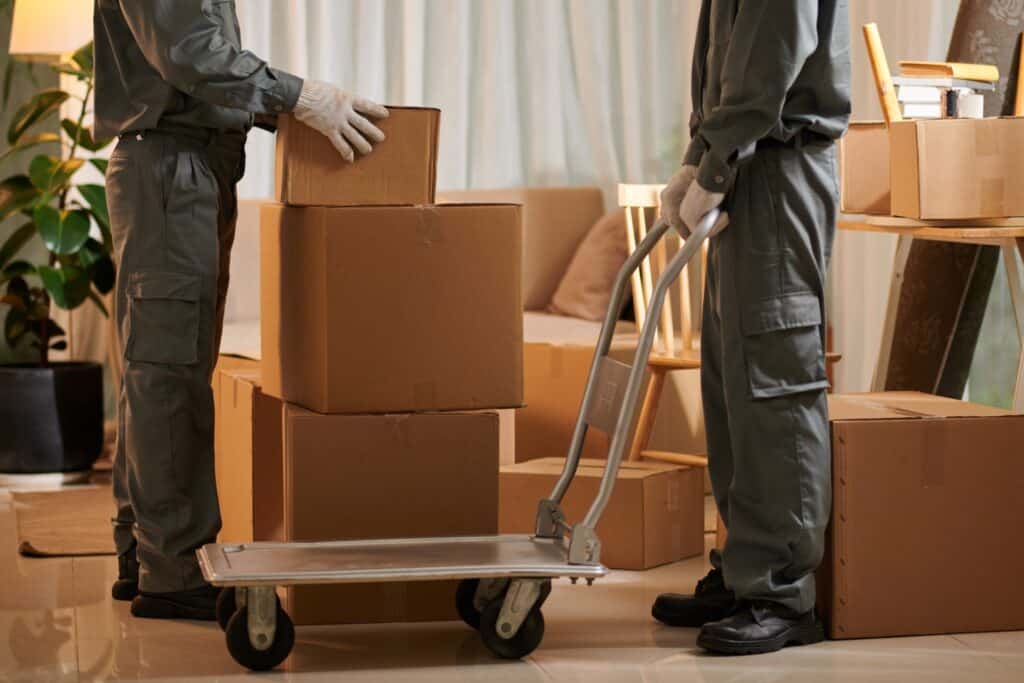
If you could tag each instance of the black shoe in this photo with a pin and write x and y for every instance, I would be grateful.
(710, 602)
(198, 603)
(127, 585)
(759, 627)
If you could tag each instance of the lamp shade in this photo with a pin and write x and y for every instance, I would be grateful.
(50, 27)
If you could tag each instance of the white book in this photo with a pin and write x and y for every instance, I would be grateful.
(922, 111)
(919, 94)
(980, 86)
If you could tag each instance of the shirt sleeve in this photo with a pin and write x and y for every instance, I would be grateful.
(185, 42)
(770, 42)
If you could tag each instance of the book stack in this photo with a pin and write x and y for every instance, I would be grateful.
(939, 90)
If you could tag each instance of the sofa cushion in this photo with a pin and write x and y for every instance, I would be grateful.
(586, 287)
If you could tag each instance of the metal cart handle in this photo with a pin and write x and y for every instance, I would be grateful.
(549, 521)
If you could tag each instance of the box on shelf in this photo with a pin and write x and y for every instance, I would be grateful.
(864, 168)
(926, 503)
(655, 515)
(957, 168)
(321, 477)
(392, 309)
(400, 170)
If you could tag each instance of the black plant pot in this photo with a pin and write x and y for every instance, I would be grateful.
(51, 418)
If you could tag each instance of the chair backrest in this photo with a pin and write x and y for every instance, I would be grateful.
(638, 201)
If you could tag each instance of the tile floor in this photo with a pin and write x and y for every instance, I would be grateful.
(57, 623)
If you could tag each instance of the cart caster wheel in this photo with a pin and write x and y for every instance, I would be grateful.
(226, 607)
(465, 602)
(518, 646)
(241, 647)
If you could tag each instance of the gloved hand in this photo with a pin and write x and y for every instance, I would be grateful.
(341, 117)
(696, 205)
(672, 198)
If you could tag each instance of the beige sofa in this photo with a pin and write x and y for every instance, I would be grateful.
(558, 349)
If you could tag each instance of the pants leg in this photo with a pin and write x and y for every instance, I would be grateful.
(768, 430)
(164, 205)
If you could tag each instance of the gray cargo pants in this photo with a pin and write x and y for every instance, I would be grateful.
(172, 211)
(763, 372)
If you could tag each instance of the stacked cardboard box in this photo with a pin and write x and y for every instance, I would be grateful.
(391, 334)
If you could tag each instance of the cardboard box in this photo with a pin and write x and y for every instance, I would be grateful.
(926, 508)
(288, 474)
(655, 515)
(957, 168)
(392, 309)
(864, 168)
(401, 170)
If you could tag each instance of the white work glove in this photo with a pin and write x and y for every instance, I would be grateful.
(697, 203)
(340, 116)
(672, 197)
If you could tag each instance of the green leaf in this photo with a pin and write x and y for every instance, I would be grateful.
(15, 326)
(71, 70)
(16, 193)
(68, 287)
(18, 269)
(61, 345)
(52, 328)
(18, 239)
(63, 232)
(99, 303)
(13, 301)
(19, 288)
(83, 57)
(41, 139)
(35, 110)
(83, 135)
(100, 267)
(49, 173)
(100, 164)
(96, 196)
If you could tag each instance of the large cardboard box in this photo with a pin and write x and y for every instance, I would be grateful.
(957, 168)
(864, 168)
(401, 170)
(655, 515)
(288, 474)
(925, 517)
(392, 309)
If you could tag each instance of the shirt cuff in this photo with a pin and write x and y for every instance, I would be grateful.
(714, 174)
(694, 151)
(285, 92)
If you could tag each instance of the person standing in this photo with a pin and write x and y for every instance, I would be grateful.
(175, 86)
(771, 95)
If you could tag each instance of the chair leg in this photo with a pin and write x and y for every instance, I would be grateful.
(648, 412)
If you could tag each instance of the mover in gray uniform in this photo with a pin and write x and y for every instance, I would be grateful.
(770, 97)
(174, 84)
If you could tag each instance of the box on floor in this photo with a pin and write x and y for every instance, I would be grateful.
(401, 170)
(655, 515)
(349, 477)
(864, 168)
(957, 168)
(926, 508)
(392, 309)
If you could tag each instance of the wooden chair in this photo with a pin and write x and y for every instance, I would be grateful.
(639, 201)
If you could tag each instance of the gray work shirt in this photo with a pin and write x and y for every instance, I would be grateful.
(765, 69)
(174, 63)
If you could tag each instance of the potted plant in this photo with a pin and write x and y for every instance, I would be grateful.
(51, 413)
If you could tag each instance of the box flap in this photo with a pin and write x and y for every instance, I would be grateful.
(901, 405)
(591, 468)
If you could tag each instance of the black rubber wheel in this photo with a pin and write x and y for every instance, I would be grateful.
(226, 607)
(518, 646)
(244, 653)
(465, 598)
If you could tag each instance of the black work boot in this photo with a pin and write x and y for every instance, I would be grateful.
(711, 601)
(759, 627)
(197, 603)
(127, 585)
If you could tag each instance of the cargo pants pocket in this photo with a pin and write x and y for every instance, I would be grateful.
(783, 346)
(163, 318)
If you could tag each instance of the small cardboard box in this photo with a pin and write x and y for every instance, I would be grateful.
(655, 515)
(957, 168)
(400, 170)
(392, 309)
(288, 474)
(864, 168)
(926, 508)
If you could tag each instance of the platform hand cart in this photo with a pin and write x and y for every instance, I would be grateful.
(504, 580)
